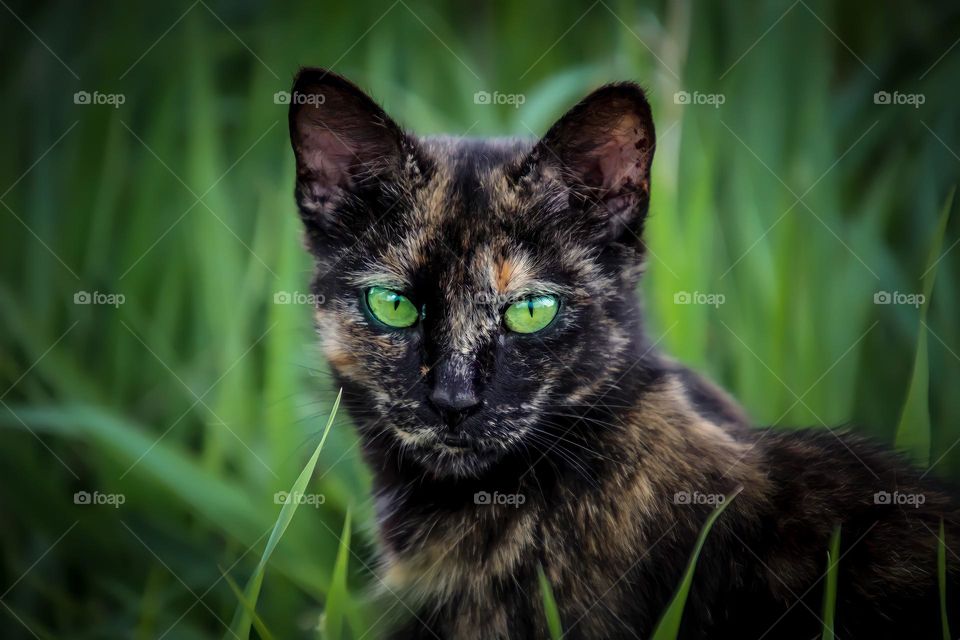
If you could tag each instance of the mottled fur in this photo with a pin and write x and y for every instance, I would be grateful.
(596, 430)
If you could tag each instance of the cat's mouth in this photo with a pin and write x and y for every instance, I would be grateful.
(438, 439)
(456, 444)
(456, 441)
(447, 453)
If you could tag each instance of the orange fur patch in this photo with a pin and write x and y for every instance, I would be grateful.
(505, 273)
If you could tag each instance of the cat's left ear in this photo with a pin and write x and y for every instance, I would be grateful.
(602, 149)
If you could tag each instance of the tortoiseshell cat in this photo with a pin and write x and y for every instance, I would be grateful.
(481, 314)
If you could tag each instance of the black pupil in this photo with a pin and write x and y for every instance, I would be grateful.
(530, 306)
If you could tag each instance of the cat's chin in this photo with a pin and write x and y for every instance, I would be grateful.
(443, 461)
(441, 455)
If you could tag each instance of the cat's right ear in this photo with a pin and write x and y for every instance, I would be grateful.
(344, 145)
(602, 149)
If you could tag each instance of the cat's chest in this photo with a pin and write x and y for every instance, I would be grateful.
(451, 553)
(478, 569)
(469, 570)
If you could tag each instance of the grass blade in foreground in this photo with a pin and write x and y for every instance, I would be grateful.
(942, 579)
(240, 628)
(830, 588)
(913, 431)
(550, 607)
(669, 625)
(338, 608)
(242, 599)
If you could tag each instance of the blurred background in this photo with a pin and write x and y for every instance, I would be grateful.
(158, 376)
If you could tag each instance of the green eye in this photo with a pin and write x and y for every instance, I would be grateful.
(531, 314)
(391, 308)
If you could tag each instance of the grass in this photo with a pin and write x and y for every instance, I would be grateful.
(200, 397)
(668, 627)
(242, 618)
(942, 581)
(829, 612)
(550, 610)
(913, 431)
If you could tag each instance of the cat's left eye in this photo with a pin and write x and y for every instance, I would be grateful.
(531, 314)
(391, 308)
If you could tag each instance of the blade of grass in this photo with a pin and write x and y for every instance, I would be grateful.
(669, 625)
(338, 607)
(913, 431)
(942, 579)
(241, 620)
(550, 606)
(248, 607)
(830, 589)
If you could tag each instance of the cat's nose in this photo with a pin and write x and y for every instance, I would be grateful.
(453, 392)
(454, 404)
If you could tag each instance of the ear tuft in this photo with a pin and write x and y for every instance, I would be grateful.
(603, 149)
(343, 141)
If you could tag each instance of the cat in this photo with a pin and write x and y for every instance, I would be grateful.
(481, 315)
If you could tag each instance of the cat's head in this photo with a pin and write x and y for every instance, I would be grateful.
(473, 290)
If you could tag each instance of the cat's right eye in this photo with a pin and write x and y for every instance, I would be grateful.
(391, 308)
(532, 314)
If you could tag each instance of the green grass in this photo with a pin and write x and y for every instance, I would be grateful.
(942, 580)
(199, 397)
(242, 618)
(668, 627)
(914, 429)
(829, 611)
(550, 610)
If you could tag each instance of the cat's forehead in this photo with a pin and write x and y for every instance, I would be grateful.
(479, 152)
(471, 222)
(472, 182)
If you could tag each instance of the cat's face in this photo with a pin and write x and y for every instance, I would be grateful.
(474, 291)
